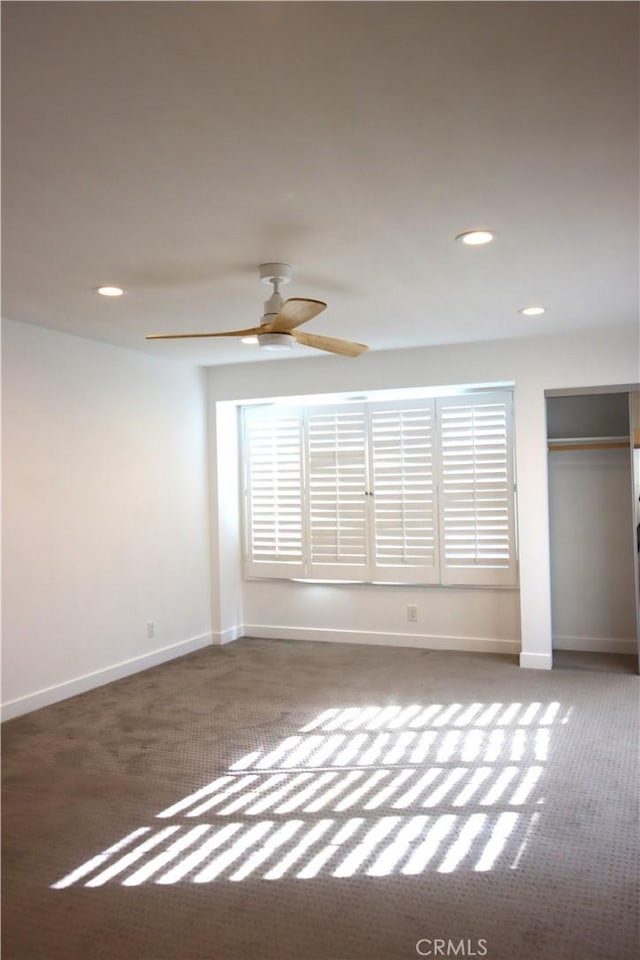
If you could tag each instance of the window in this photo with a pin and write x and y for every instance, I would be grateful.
(406, 491)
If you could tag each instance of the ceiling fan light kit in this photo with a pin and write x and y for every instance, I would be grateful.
(275, 341)
(277, 329)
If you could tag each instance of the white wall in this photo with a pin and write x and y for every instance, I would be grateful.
(226, 591)
(105, 513)
(448, 617)
(105, 506)
(583, 360)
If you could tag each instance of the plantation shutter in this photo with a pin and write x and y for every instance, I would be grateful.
(413, 491)
(403, 504)
(476, 489)
(274, 492)
(337, 492)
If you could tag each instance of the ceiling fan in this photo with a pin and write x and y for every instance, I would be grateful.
(277, 330)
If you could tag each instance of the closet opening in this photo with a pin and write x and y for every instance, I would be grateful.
(594, 485)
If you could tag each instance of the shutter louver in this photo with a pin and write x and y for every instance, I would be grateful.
(274, 477)
(404, 514)
(476, 490)
(337, 492)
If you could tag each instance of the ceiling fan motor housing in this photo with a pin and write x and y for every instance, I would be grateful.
(271, 308)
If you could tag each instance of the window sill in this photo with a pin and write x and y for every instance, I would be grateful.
(385, 583)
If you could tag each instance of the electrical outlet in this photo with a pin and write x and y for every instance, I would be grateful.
(151, 629)
(412, 613)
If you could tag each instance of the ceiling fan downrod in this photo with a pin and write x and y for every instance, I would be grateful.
(275, 274)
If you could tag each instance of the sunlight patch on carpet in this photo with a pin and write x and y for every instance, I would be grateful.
(367, 791)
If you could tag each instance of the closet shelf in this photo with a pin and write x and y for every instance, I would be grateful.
(588, 443)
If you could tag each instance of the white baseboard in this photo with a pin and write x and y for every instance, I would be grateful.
(70, 688)
(595, 644)
(424, 641)
(229, 635)
(536, 661)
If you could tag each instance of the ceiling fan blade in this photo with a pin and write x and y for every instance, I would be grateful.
(250, 332)
(294, 311)
(346, 348)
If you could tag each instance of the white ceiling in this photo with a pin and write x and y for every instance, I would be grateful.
(172, 147)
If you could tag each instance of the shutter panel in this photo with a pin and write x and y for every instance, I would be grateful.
(403, 504)
(274, 490)
(337, 485)
(476, 489)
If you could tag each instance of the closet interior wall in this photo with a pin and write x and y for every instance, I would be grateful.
(592, 532)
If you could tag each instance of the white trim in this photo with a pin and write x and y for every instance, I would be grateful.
(595, 644)
(536, 661)
(421, 640)
(227, 636)
(88, 681)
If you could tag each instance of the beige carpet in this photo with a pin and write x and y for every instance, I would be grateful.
(281, 800)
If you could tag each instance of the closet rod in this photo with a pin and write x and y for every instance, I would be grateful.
(589, 443)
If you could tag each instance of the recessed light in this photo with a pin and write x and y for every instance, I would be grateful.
(532, 311)
(249, 340)
(109, 291)
(475, 238)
